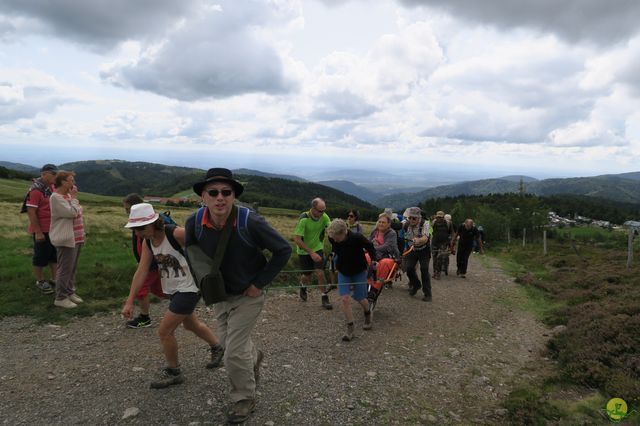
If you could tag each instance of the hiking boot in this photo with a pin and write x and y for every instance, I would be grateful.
(75, 298)
(348, 336)
(426, 298)
(436, 276)
(368, 316)
(463, 275)
(303, 294)
(44, 287)
(240, 411)
(141, 321)
(446, 272)
(217, 354)
(325, 302)
(65, 303)
(52, 283)
(256, 367)
(413, 291)
(167, 377)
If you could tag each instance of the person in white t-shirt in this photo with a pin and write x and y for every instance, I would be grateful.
(164, 244)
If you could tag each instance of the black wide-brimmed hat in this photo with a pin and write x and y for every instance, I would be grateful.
(218, 174)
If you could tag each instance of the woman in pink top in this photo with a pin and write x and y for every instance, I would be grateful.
(67, 236)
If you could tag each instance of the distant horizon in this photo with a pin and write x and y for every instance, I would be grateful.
(302, 168)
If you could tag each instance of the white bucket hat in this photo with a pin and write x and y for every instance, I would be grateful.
(141, 214)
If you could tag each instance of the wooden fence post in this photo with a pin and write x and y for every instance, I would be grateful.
(508, 236)
(630, 248)
(544, 242)
(524, 237)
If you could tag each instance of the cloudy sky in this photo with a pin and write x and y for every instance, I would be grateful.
(544, 87)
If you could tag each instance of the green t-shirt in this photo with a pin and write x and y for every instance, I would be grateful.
(311, 231)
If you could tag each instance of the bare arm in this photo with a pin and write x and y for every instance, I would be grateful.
(179, 234)
(35, 223)
(138, 279)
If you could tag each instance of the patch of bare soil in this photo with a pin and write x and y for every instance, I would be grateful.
(450, 361)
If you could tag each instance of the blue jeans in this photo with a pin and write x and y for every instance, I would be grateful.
(359, 282)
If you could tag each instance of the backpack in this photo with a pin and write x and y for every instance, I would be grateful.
(242, 220)
(166, 217)
(38, 186)
(168, 232)
(441, 231)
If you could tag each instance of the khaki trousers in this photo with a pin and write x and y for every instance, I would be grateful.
(237, 317)
(66, 273)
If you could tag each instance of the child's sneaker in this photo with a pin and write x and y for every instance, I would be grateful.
(44, 287)
(167, 377)
(141, 321)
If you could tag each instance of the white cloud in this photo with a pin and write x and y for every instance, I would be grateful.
(24, 94)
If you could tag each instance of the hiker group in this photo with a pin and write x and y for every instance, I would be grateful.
(219, 256)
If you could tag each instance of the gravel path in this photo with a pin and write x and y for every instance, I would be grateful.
(451, 361)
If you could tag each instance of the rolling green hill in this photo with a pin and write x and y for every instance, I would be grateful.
(620, 188)
(118, 178)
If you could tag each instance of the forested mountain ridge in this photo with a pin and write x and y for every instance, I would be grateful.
(116, 177)
(620, 188)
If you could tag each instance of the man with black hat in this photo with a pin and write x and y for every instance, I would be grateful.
(36, 205)
(232, 239)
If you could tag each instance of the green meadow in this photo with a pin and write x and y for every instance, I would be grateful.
(106, 261)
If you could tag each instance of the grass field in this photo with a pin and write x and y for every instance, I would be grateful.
(106, 262)
(597, 298)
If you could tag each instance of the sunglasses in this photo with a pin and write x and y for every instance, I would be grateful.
(214, 192)
(413, 218)
(350, 215)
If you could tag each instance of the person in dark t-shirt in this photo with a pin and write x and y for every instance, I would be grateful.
(466, 235)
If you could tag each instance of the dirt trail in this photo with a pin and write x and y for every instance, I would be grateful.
(451, 361)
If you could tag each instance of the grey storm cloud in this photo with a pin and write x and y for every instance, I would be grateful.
(191, 67)
(599, 21)
(341, 105)
(219, 53)
(100, 24)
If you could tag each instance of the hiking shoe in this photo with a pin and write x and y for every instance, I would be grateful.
(413, 291)
(44, 287)
(65, 303)
(325, 302)
(426, 298)
(256, 367)
(167, 377)
(348, 336)
(217, 354)
(303, 294)
(368, 316)
(240, 411)
(141, 321)
(75, 298)
(446, 272)
(463, 275)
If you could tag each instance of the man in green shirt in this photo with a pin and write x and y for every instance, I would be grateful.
(309, 237)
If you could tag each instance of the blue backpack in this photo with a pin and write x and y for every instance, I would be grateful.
(166, 217)
(241, 221)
